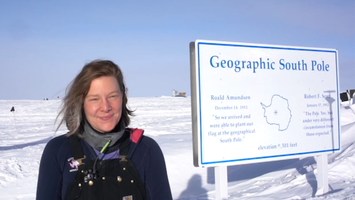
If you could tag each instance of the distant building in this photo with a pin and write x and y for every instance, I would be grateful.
(178, 94)
(348, 97)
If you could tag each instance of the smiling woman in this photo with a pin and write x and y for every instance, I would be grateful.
(100, 156)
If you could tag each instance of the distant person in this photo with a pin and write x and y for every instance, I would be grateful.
(100, 157)
(12, 109)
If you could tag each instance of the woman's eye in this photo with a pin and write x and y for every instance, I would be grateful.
(114, 96)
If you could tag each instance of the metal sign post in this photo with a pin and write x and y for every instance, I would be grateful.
(221, 180)
(322, 175)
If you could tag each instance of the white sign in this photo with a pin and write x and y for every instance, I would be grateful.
(255, 103)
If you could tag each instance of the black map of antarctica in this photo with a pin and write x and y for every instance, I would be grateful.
(278, 112)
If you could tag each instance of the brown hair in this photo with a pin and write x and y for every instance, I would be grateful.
(72, 110)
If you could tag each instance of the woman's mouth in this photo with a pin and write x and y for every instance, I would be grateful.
(106, 118)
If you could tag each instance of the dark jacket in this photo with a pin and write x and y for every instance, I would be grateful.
(55, 177)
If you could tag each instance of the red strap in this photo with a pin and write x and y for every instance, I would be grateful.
(137, 135)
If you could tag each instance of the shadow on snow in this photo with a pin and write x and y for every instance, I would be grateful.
(23, 145)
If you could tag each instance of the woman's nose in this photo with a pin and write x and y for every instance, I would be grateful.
(106, 105)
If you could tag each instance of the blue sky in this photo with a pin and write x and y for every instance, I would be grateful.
(44, 44)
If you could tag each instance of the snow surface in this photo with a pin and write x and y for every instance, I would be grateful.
(25, 132)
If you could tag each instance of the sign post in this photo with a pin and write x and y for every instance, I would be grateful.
(256, 103)
(221, 180)
(322, 175)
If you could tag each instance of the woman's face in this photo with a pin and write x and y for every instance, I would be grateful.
(103, 104)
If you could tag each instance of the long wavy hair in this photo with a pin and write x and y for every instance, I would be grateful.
(72, 111)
